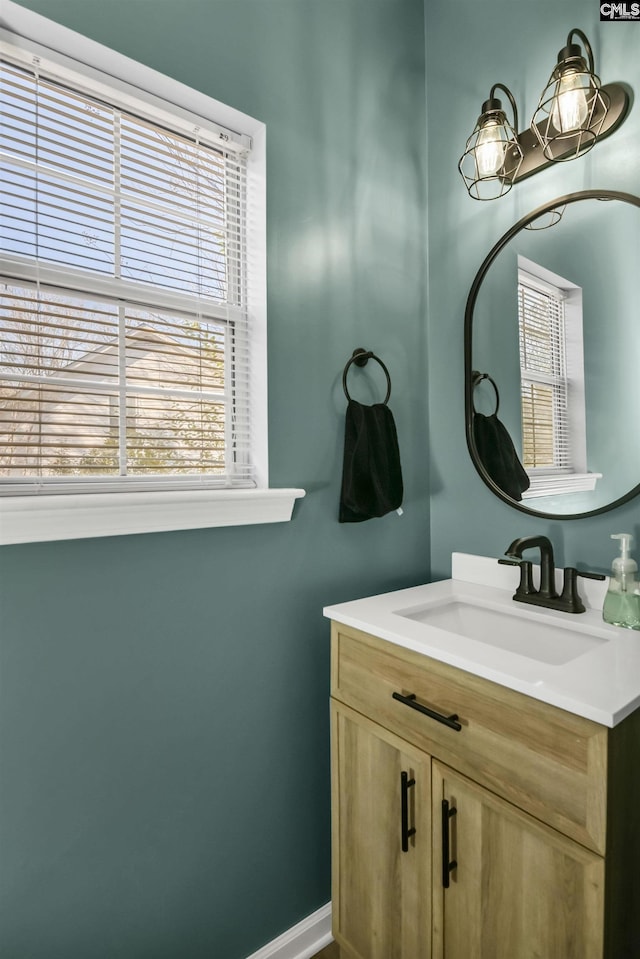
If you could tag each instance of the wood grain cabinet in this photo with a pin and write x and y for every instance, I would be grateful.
(473, 822)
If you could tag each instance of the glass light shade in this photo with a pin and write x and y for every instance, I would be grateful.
(492, 156)
(570, 107)
(491, 146)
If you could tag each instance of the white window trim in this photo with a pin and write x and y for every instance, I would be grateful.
(42, 517)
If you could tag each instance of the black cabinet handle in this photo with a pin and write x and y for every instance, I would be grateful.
(405, 832)
(410, 700)
(448, 865)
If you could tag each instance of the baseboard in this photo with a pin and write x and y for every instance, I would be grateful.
(301, 941)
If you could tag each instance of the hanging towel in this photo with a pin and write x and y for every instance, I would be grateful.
(371, 473)
(498, 455)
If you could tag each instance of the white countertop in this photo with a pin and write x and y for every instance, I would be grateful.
(602, 683)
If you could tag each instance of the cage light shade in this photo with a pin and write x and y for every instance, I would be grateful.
(570, 114)
(492, 156)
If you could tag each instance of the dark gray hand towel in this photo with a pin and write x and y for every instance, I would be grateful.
(371, 473)
(498, 455)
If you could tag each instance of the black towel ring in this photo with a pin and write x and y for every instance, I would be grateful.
(477, 378)
(361, 357)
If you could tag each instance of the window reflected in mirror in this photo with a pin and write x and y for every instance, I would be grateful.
(550, 331)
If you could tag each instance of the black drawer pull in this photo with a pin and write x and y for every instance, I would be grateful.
(410, 700)
(405, 832)
(448, 865)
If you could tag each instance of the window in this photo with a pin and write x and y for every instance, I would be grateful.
(124, 284)
(132, 347)
(543, 376)
(552, 382)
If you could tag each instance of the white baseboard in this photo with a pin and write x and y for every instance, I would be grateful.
(301, 941)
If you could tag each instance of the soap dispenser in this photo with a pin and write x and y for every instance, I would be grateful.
(622, 602)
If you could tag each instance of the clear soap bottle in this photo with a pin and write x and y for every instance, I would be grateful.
(622, 602)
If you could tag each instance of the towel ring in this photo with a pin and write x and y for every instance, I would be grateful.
(477, 378)
(361, 357)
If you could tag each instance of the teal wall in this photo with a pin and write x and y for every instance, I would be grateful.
(164, 703)
(470, 46)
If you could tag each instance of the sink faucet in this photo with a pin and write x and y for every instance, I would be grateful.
(569, 600)
(547, 563)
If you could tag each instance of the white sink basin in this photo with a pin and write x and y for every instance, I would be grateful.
(527, 633)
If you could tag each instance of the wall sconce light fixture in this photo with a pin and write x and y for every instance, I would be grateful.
(574, 112)
(492, 156)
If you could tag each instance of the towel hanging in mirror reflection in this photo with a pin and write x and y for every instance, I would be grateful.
(495, 448)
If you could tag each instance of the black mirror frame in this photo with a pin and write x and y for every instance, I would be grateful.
(468, 344)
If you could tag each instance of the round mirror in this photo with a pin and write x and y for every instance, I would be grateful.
(552, 343)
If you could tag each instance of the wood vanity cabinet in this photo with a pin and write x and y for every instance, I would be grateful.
(514, 836)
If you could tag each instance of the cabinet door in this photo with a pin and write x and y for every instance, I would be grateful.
(381, 894)
(520, 890)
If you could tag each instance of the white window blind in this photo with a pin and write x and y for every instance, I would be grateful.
(124, 330)
(544, 387)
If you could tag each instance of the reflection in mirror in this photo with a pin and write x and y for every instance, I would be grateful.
(551, 321)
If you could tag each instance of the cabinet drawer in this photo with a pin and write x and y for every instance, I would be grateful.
(541, 758)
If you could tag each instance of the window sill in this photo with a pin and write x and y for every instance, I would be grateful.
(555, 484)
(42, 518)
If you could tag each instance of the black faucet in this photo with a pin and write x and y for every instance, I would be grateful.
(569, 601)
(547, 564)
